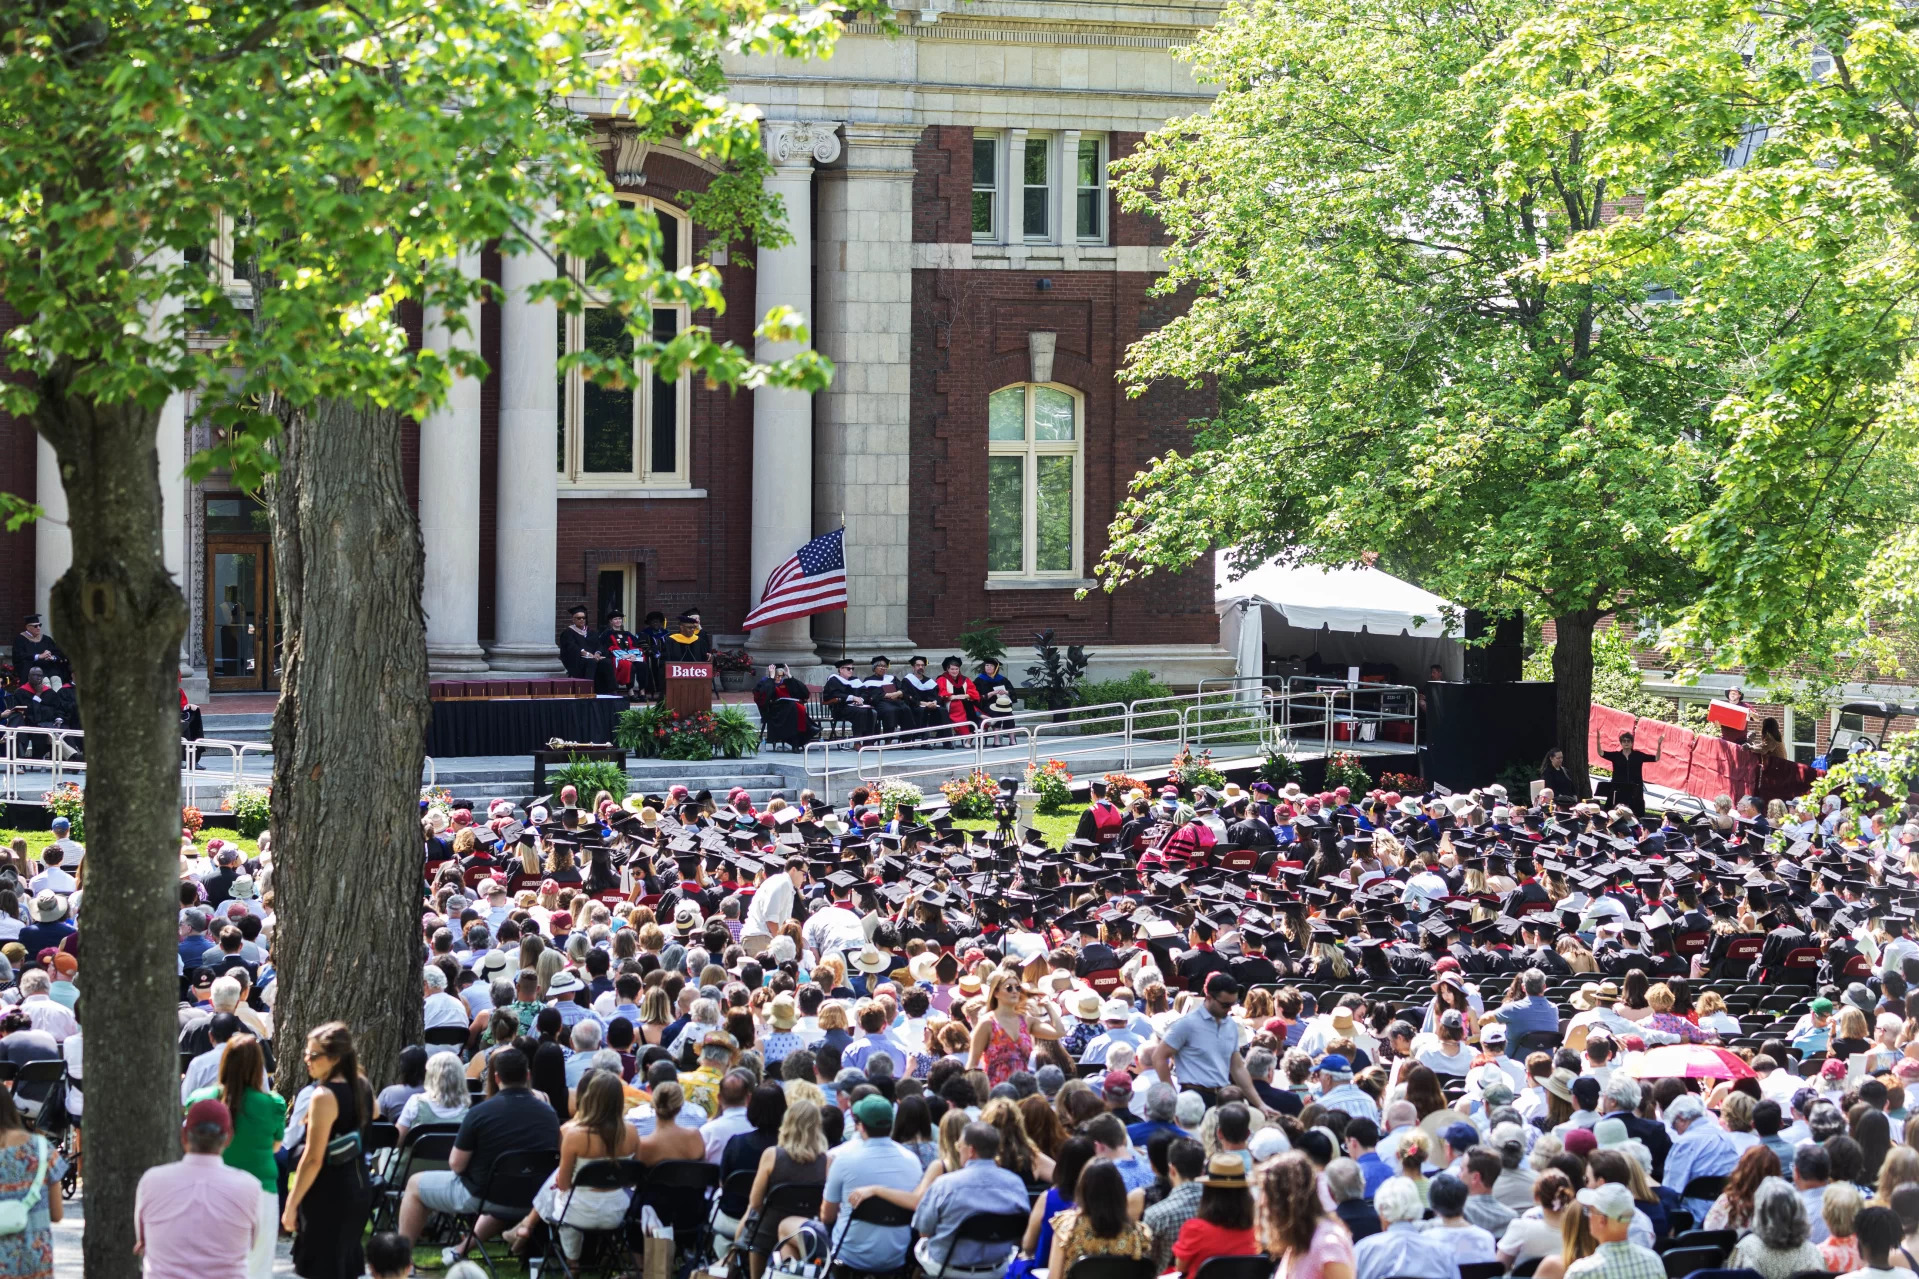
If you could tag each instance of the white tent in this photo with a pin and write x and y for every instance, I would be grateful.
(1342, 616)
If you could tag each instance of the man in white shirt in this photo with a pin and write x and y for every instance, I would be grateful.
(204, 1070)
(772, 906)
(836, 928)
(442, 1009)
(73, 852)
(48, 1014)
(736, 1089)
(53, 877)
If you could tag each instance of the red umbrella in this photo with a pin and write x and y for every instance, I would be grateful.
(1690, 1061)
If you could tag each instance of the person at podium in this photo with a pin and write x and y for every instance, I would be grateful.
(581, 655)
(686, 642)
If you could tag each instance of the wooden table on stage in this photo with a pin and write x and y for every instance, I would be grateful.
(545, 759)
(689, 686)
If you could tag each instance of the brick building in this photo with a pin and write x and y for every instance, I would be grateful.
(960, 256)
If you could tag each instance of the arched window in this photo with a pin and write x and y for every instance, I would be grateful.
(1033, 483)
(636, 437)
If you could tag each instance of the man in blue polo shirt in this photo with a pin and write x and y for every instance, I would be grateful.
(1535, 1012)
(877, 1161)
(1202, 1047)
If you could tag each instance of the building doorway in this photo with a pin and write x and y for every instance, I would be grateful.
(242, 635)
(617, 589)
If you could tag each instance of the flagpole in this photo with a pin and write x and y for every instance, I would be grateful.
(845, 609)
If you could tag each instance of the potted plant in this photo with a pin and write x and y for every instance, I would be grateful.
(735, 669)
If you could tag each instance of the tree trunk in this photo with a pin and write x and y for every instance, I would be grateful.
(348, 737)
(1573, 685)
(120, 616)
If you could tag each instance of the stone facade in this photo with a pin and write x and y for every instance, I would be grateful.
(924, 318)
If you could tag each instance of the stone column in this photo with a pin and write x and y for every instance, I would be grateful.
(449, 502)
(52, 542)
(865, 323)
(783, 511)
(528, 518)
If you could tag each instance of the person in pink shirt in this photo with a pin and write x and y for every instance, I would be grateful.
(195, 1219)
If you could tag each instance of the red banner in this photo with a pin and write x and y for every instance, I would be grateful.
(1602, 732)
(1675, 747)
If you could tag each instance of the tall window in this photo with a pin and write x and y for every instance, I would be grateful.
(1036, 180)
(1033, 481)
(1802, 735)
(1089, 203)
(985, 188)
(637, 435)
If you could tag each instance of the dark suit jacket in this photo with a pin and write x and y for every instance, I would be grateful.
(1654, 1134)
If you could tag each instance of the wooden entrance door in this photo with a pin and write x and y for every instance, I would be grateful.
(243, 647)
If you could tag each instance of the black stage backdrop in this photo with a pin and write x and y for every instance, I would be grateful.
(1474, 732)
(518, 726)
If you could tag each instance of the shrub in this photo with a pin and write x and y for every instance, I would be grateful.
(1053, 678)
(1188, 771)
(1279, 768)
(589, 777)
(1119, 785)
(1138, 686)
(980, 641)
(659, 733)
(69, 801)
(894, 792)
(191, 821)
(971, 797)
(1403, 783)
(1344, 769)
(732, 659)
(252, 809)
(1053, 783)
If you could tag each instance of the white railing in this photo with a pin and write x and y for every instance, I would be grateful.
(1238, 715)
(36, 760)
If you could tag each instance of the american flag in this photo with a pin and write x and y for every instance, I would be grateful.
(813, 581)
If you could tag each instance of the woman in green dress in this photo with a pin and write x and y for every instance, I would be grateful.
(259, 1122)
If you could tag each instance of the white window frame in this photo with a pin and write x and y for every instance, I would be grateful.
(1098, 142)
(573, 391)
(1794, 740)
(1031, 450)
(1048, 147)
(997, 141)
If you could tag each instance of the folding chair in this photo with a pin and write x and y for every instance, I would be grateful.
(678, 1191)
(46, 1078)
(1010, 1228)
(446, 1037)
(1681, 1262)
(426, 1148)
(511, 1184)
(1481, 1269)
(875, 1211)
(782, 1201)
(1113, 1268)
(602, 1247)
(1256, 1266)
(1523, 1269)
(1704, 1188)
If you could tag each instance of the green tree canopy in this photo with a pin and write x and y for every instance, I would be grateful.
(1774, 146)
(1395, 374)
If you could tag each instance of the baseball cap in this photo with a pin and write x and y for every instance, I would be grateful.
(1117, 1081)
(1581, 1142)
(1610, 1200)
(209, 1111)
(1822, 1005)
(1493, 1034)
(1461, 1136)
(1335, 1064)
(873, 1110)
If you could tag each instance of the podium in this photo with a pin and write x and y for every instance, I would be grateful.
(689, 686)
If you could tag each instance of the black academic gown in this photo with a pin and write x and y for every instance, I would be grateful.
(696, 649)
(574, 648)
(1629, 777)
(833, 695)
(782, 705)
(26, 656)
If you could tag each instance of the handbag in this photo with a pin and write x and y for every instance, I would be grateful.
(344, 1149)
(15, 1212)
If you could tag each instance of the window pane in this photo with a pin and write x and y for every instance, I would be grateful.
(1054, 514)
(982, 213)
(607, 425)
(985, 163)
(1006, 414)
(669, 239)
(1034, 212)
(1052, 414)
(1005, 477)
(561, 415)
(1035, 222)
(1088, 162)
(664, 456)
(1036, 149)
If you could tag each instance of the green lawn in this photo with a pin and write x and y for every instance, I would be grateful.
(1057, 828)
(39, 839)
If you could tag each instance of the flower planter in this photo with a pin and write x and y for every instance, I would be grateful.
(736, 681)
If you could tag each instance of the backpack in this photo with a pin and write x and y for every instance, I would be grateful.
(15, 1212)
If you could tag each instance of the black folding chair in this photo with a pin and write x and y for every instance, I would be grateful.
(1113, 1268)
(446, 1037)
(875, 1211)
(1256, 1266)
(678, 1190)
(46, 1079)
(787, 1199)
(427, 1147)
(1523, 1269)
(511, 1184)
(604, 1249)
(1007, 1227)
(1720, 1239)
(1683, 1261)
(1481, 1270)
(1704, 1188)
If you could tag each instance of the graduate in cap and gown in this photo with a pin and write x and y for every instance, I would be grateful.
(782, 703)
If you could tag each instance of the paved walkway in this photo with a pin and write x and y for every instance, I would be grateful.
(67, 1257)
